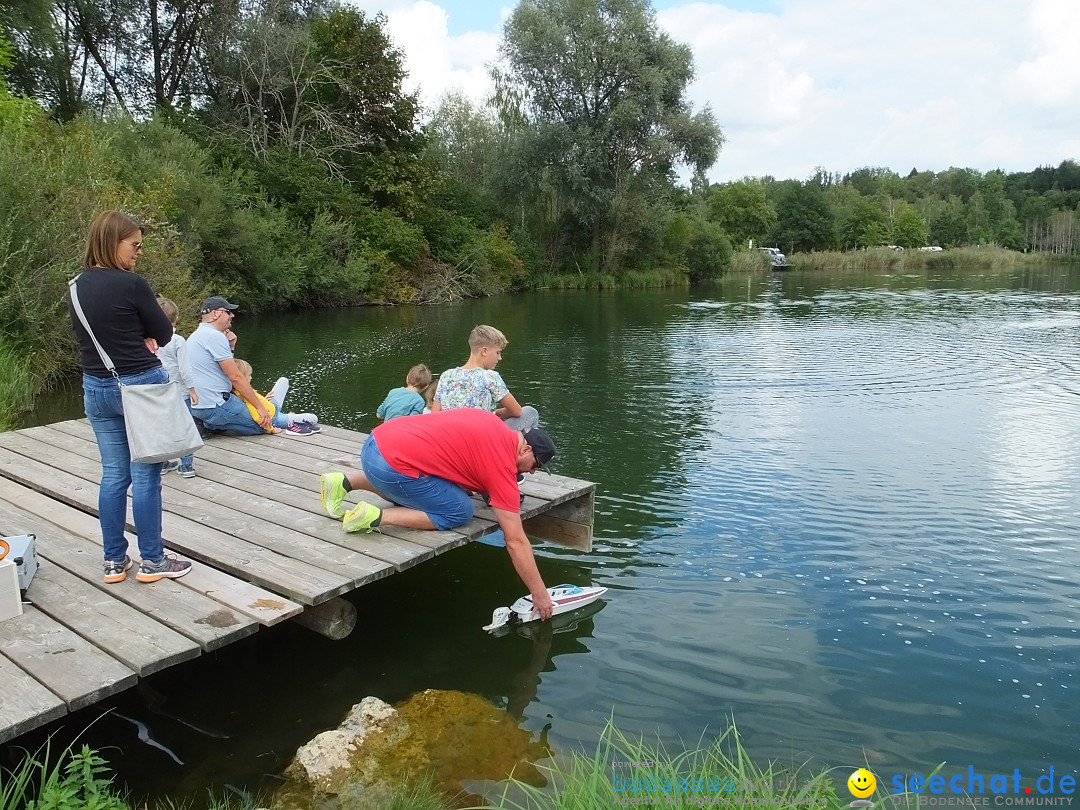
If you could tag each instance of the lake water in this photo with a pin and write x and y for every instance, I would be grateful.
(842, 509)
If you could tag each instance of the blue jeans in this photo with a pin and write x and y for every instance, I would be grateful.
(444, 502)
(104, 409)
(231, 417)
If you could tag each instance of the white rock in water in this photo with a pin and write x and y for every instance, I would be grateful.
(326, 762)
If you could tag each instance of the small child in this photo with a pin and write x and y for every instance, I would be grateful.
(173, 357)
(295, 424)
(478, 385)
(408, 400)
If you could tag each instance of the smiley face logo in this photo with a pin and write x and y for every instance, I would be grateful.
(862, 783)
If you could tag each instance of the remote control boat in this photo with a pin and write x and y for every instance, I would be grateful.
(564, 597)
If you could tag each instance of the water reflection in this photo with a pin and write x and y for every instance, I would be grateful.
(840, 507)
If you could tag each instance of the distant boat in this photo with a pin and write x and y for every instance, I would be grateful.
(779, 261)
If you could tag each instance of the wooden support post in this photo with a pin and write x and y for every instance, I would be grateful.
(567, 524)
(335, 618)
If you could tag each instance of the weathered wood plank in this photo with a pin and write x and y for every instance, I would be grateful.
(137, 641)
(205, 621)
(245, 492)
(292, 578)
(275, 527)
(24, 703)
(68, 665)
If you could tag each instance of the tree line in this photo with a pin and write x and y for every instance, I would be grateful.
(873, 206)
(273, 149)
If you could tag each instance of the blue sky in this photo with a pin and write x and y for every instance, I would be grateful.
(840, 84)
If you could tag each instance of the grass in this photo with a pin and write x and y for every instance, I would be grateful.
(621, 772)
(886, 260)
(16, 385)
(625, 772)
(631, 279)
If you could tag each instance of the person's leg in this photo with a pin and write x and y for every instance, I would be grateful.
(279, 392)
(529, 419)
(230, 417)
(427, 502)
(101, 399)
(187, 463)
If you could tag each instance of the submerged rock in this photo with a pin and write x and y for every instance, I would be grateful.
(443, 736)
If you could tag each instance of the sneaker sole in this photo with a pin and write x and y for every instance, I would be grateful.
(325, 491)
(112, 579)
(163, 575)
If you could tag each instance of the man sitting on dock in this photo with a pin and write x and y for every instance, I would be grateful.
(428, 464)
(210, 353)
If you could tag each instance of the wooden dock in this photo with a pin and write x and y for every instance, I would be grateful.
(264, 551)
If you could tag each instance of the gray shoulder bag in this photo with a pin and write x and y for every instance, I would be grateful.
(158, 424)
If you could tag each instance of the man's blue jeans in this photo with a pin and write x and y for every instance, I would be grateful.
(231, 416)
(104, 409)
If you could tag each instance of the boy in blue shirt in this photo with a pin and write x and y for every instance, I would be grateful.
(406, 401)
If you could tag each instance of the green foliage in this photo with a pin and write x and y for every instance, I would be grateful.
(709, 253)
(743, 210)
(83, 786)
(606, 778)
(16, 384)
(602, 93)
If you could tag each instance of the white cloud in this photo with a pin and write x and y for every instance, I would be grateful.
(838, 83)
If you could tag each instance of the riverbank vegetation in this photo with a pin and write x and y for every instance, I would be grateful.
(618, 771)
(279, 161)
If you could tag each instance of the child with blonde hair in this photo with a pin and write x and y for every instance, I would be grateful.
(294, 424)
(173, 357)
(478, 385)
(409, 400)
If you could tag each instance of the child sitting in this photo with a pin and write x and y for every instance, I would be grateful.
(173, 357)
(408, 400)
(295, 424)
(478, 385)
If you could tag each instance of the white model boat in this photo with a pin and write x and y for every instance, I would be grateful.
(564, 597)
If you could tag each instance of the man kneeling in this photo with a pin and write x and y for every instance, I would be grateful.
(428, 464)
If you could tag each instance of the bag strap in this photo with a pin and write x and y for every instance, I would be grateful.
(82, 318)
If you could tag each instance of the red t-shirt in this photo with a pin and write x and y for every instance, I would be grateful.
(472, 448)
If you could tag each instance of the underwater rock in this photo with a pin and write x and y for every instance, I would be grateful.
(442, 736)
(333, 757)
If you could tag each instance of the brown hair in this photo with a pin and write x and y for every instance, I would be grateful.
(419, 376)
(106, 231)
(172, 312)
(487, 336)
(244, 367)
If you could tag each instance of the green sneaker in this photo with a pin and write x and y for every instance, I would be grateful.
(363, 517)
(332, 490)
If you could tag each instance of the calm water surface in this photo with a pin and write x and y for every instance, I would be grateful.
(842, 509)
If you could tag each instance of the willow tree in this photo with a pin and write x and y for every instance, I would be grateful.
(603, 93)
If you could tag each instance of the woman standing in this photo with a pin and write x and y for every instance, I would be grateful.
(128, 323)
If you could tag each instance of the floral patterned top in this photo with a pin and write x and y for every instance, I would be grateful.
(470, 388)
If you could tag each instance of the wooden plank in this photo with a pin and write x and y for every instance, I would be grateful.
(231, 512)
(283, 575)
(137, 641)
(68, 665)
(243, 492)
(24, 703)
(205, 621)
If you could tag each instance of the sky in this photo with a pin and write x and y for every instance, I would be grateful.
(838, 84)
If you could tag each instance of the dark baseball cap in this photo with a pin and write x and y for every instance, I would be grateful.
(542, 446)
(216, 302)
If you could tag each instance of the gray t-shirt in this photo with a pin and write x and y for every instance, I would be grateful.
(207, 347)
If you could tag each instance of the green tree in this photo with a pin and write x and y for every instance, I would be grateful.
(909, 228)
(743, 210)
(804, 219)
(603, 90)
